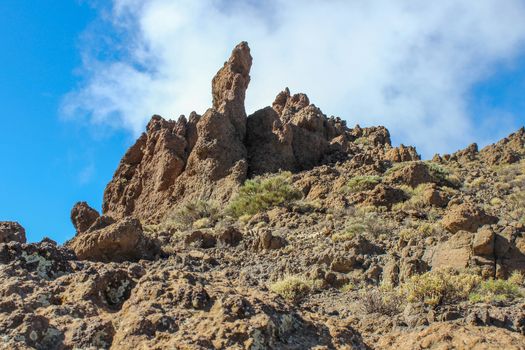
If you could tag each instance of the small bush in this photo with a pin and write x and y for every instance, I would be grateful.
(362, 141)
(262, 193)
(349, 287)
(438, 172)
(415, 195)
(440, 287)
(362, 183)
(362, 222)
(292, 288)
(498, 290)
(202, 212)
(384, 302)
(477, 183)
(420, 231)
(516, 205)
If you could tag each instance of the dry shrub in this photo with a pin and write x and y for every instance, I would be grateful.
(440, 287)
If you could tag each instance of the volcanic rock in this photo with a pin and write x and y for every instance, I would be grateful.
(466, 217)
(83, 216)
(12, 231)
(122, 241)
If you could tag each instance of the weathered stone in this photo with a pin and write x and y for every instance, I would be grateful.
(11, 231)
(402, 154)
(83, 216)
(467, 217)
(122, 241)
(483, 243)
(455, 252)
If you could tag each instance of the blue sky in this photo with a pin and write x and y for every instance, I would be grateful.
(48, 163)
(80, 81)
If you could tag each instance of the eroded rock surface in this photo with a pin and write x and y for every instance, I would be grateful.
(11, 231)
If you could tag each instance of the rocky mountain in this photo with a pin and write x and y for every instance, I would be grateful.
(284, 229)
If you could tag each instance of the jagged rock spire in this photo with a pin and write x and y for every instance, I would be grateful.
(229, 86)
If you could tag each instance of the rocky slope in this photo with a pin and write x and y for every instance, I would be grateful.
(285, 229)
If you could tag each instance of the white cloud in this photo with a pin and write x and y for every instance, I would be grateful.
(408, 65)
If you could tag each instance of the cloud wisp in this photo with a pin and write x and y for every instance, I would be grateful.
(408, 65)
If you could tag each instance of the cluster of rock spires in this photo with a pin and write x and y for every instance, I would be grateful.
(209, 156)
(127, 280)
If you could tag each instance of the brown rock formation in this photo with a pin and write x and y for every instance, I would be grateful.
(12, 231)
(83, 216)
(294, 135)
(208, 157)
(402, 154)
(466, 217)
(507, 151)
(122, 241)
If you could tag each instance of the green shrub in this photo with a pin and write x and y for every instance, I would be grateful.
(438, 172)
(440, 287)
(362, 183)
(362, 140)
(477, 183)
(498, 290)
(415, 200)
(204, 213)
(362, 222)
(264, 192)
(516, 205)
(419, 231)
(292, 288)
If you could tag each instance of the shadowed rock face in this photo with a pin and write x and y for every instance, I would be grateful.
(209, 156)
(12, 231)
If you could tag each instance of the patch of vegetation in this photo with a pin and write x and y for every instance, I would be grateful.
(349, 287)
(510, 173)
(264, 192)
(477, 183)
(419, 231)
(200, 212)
(438, 172)
(415, 198)
(382, 301)
(362, 222)
(440, 287)
(362, 141)
(293, 288)
(362, 183)
(516, 206)
(498, 290)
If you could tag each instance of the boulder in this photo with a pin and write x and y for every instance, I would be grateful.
(229, 236)
(402, 154)
(11, 231)
(467, 217)
(483, 243)
(382, 195)
(267, 241)
(454, 253)
(434, 197)
(412, 174)
(121, 241)
(200, 239)
(83, 216)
